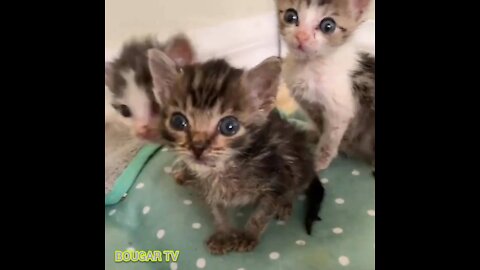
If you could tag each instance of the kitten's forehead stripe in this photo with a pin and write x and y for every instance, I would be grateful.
(324, 2)
(208, 84)
(310, 2)
(191, 87)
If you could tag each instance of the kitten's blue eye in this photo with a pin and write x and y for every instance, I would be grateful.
(178, 122)
(291, 16)
(228, 126)
(327, 25)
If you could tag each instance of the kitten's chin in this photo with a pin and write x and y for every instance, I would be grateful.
(307, 53)
(301, 53)
(202, 162)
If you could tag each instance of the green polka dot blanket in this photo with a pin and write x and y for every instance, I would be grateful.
(161, 225)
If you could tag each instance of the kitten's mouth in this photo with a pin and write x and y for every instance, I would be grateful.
(300, 48)
(205, 161)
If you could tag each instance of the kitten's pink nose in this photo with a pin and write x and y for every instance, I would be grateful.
(302, 36)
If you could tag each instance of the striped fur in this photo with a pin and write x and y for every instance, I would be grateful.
(266, 163)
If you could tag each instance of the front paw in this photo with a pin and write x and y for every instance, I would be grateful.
(180, 177)
(324, 158)
(322, 163)
(246, 242)
(221, 243)
(284, 212)
(183, 177)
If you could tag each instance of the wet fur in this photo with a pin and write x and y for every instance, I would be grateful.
(332, 82)
(267, 163)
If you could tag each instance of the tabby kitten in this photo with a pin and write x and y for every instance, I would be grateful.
(237, 150)
(129, 98)
(332, 81)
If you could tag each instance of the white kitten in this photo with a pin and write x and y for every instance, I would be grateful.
(328, 77)
(129, 99)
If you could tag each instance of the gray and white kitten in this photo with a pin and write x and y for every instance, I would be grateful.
(129, 98)
(329, 78)
(235, 147)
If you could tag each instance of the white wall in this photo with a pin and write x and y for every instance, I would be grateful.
(127, 18)
(244, 32)
(124, 18)
(371, 11)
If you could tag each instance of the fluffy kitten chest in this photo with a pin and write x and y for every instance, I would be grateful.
(226, 189)
(320, 84)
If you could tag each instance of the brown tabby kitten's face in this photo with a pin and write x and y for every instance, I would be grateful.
(202, 122)
(315, 28)
(208, 109)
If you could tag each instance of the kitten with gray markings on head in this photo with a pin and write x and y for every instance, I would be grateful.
(235, 147)
(129, 96)
(331, 80)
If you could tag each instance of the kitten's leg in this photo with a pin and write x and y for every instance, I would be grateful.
(182, 174)
(223, 240)
(284, 211)
(333, 132)
(285, 205)
(331, 121)
(256, 225)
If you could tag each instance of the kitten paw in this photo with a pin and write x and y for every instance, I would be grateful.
(322, 164)
(246, 242)
(221, 243)
(284, 212)
(324, 159)
(179, 177)
(182, 177)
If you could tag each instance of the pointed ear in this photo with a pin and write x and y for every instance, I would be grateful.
(262, 82)
(180, 50)
(359, 8)
(163, 72)
(108, 74)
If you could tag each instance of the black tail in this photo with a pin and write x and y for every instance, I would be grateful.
(315, 194)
